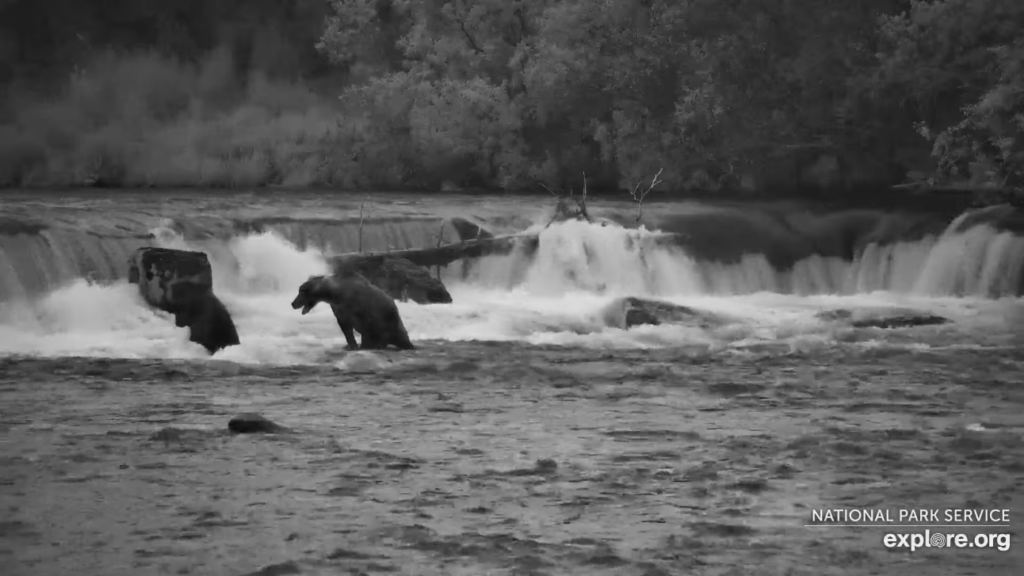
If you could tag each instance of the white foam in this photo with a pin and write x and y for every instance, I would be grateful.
(90, 320)
(364, 361)
(560, 298)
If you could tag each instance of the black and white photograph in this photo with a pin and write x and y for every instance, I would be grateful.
(511, 287)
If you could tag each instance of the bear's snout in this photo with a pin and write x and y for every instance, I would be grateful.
(303, 302)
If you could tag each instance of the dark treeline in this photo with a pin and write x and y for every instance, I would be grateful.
(501, 94)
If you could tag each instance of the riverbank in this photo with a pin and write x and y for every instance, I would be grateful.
(948, 200)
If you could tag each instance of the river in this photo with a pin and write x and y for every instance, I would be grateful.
(528, 433)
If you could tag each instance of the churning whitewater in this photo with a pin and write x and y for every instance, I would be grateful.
(561, 295)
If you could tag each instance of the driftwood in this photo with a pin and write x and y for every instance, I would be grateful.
(445, 255)
(562, 210)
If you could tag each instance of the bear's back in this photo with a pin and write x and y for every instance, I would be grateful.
(353, 289)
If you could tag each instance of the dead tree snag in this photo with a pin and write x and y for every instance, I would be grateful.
(361, 226)
(638, 196)
(562, 210)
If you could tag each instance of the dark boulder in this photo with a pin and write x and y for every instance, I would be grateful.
(156, 270)
(12, 226)
(468, 230)
(886, 318)
(251, 423)
(181, 282)
(398, 277)
(629, 311)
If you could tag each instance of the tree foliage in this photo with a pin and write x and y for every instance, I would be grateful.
(505, 93)
(958, 65)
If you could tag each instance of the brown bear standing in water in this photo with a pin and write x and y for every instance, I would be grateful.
(208, 320)
(357, 305)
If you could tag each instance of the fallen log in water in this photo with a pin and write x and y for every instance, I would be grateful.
(400, 278)
(443, 255)
(405, 274)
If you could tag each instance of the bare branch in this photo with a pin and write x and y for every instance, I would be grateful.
(638, 195)
(440, 238)
(562, 211)
(461, 19)
(440, 235)
(582, 201)
(361, 226)
(469, 38)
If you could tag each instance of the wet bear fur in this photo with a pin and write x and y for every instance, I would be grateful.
(209, 323)
(358, 306)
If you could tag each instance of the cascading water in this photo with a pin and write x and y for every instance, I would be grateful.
(62, 290)
(576, 256)
(32, 264)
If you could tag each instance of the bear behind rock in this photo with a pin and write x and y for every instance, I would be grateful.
(208, 320)
(358, 306)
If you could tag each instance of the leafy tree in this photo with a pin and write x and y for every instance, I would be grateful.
(957, 65)
(503, 93)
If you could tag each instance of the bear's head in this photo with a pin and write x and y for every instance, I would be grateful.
(312, 292)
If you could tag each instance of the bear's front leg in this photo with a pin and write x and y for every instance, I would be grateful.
(350, 337)
(345, 323)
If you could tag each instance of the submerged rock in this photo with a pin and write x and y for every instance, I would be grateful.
(400, 278)
(785, 237)
(468, 230)
(1001, 217)
(882, 318)
(252, 423)
(629, 311)
(282, 569)
(181, 282)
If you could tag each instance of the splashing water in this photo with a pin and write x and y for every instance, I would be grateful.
(560, 295)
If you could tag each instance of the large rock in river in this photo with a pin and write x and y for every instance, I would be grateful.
(181, 282)
(400, 278)
(157, 270)
(629, 311)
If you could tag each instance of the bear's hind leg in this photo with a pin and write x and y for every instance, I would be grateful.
(399, 335)
(405, 343)
(373, 342)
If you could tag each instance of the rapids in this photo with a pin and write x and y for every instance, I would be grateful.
(63, 289)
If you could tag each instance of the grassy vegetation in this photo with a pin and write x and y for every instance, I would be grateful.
(145, 120)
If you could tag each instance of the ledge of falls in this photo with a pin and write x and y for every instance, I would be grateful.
(682, 248)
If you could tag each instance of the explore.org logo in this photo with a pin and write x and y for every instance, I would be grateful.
(928, 539)
(936, 522)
